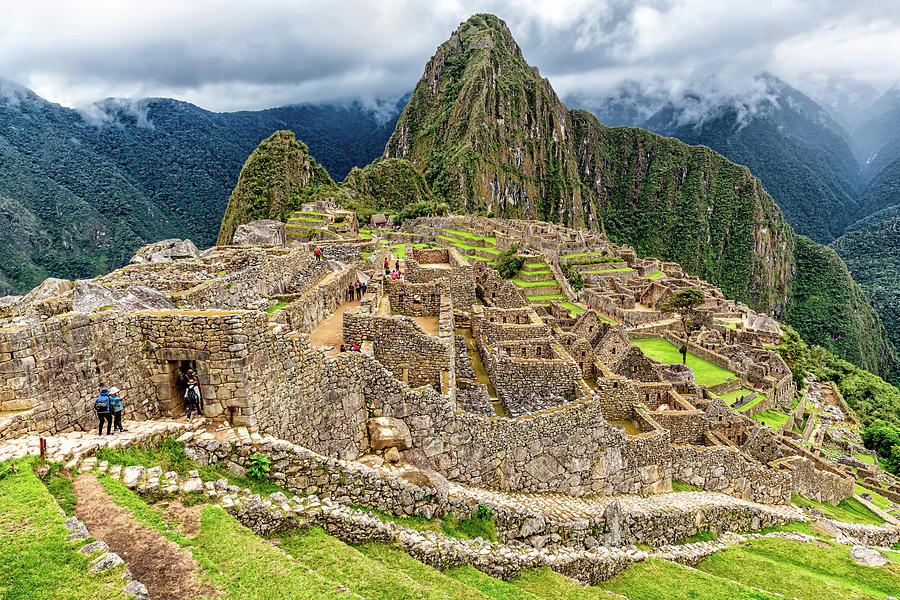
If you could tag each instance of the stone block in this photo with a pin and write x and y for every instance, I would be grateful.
(389, 432)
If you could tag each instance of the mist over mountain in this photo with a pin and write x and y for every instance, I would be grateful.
(80, 190)
(801, 154)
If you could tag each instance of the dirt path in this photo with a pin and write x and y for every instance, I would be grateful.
(330, 332)
(168, 571)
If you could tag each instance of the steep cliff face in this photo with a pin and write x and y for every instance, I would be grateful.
(686, 204)
(271, 182)
(488, 133)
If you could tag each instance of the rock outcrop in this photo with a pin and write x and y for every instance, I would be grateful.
(264, 232)
(165, 250)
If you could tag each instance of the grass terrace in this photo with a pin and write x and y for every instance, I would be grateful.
(546, 297)
(705, 372)
(527, 284)
(850, 510)
(574, 309)
(622, 270)
(790, 568)
(490, 240)
(655, 275)
(772, 418)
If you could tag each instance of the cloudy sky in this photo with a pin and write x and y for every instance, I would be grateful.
(229, 55)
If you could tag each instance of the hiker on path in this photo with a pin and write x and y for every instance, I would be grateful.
(358, 290)
(103, 407)
(350, 289)
(387, 266)
(116, 403)
(317, 253)
(364, 287)
(192, 394)
(397, 264)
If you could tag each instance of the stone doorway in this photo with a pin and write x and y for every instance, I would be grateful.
(171, 377)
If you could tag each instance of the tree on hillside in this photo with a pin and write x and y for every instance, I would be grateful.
(509, 263)
(685, 303)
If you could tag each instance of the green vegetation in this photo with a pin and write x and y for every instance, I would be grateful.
(872, 254)
(276, 179)
(705, 372)
(542, 297)
(874, 402)
(685, 487)
(479, 525)
(704, 535)
(655, 275)
(772, 418)
(36, 562)
(260, 465)
(59, 484)
(526, 284)
(685, 302)
(277, 306)
(850, 510)
(574, 277)
(508, 263)
(790, 568)
(655, 578)
(574, 309)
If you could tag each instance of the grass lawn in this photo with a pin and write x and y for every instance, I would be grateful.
(705, 372)
(574, 309)
(733, 396)
(850, 510)
(877, 499)
(866, 458)
(308, 219)
(799, 570)
(277, 306)
(654, 275)
(535, 265)
(521, 283)
(367, 576)
(540, 297)
(655, 579)
(35, 560)
(772, 418)
(606, 319)
(610, 270)
(490, 240)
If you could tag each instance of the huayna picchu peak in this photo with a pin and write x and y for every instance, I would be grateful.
(516, 355)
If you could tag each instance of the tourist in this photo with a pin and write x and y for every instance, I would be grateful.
(350, 291)
(103, 407)
(116, 402)
(343, 348)
(192, 394)
(358, 290)
(364, 287)
(393, 274)
(387, 266)
(318, 253)
(397, 264)
(355, 348)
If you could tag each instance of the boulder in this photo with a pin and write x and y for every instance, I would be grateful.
(868, 556)
(107, 561)
(165, 250)
(388, 432)
(265, 232)
(140, 297)
(392, 455)
(49, 288)
(88, 296)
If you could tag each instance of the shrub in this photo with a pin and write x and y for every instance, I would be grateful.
(260, 465)
(508, 263)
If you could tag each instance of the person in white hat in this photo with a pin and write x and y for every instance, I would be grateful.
(116, 403)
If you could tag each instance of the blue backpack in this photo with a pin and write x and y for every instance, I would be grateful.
(101, 404)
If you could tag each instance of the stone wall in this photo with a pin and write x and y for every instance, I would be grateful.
(726, 469)
(808, 481)
(416, 299)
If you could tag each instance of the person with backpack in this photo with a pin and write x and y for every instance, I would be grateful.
(387, 266)
(317, 253)
(103, 408)
(364, 287)
(192, 394)
(358, 291)
(350, 291)
(116, 404)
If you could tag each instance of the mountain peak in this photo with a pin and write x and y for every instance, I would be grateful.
(484, 30)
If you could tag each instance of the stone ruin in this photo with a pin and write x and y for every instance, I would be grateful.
(458, 373)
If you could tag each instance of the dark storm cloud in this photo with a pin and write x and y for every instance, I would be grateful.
(230, 55)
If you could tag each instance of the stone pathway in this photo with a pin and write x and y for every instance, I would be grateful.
(71, 447)
(566, 509)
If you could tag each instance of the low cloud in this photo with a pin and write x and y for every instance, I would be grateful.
(233, 56)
